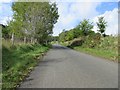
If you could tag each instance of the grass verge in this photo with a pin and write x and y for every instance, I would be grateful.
(18, 61)
(107, 54)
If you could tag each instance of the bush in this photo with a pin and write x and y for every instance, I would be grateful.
(18, 61)
(92, 41)
(77, 42)
(109, 43)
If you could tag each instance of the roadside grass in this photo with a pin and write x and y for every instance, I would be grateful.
(18, 61)
(107, 54)
(108, 48)
(54, 42)
(64, 43)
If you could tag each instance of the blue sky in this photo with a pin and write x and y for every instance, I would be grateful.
(6, 8)
(5, 12)
(106, 6)
(71, 13)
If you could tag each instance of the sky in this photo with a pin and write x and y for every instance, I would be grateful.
(72, 12)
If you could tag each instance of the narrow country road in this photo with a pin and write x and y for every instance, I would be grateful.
(65, 68)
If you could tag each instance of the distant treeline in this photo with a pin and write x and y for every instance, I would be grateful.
(84, 28)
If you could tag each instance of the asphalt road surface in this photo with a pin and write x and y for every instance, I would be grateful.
(62, 67)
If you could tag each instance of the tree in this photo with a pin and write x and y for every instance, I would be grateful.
(83, 29)
(33, 20)
(62, 36)
(101, 24)
(5, 32)
(85, 26)
(69, 35)
(47, 20)
(77, 32)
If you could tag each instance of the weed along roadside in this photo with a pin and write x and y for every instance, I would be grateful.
(107, 48)
(108, 55)
(18, 62)
(25, 39)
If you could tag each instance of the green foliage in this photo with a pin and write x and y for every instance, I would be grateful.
(5, 32)
(109, 43)
(76, 42)
(69, 35)
(18, 61)
(92, 41)
(101, 25)
(83, 29)
(91, 33)
(100, 52)
(77, 32)
(85, 26)
(35, 20)
(62, 36)
(54, 38)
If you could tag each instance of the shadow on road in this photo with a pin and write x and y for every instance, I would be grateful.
(59, 47)
(49, 62)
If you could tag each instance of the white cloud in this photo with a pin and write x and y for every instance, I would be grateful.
(0, 8)
(5, 13)
(86, 0)
(4, 20)
(84, 9)
(6, 1)
(112, 21)
(71, 13)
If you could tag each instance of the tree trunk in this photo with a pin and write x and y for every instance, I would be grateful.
(36, 41)
(46, 42)
(31, 39)
(12, 39)
(25, 39)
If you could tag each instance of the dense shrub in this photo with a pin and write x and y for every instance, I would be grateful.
(77, 42)
(109, 42)
(91, 40)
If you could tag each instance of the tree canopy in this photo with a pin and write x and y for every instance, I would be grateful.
(33, 20)
(101, 24)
